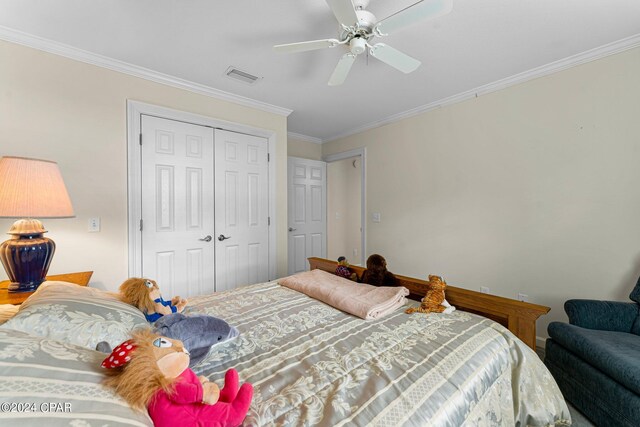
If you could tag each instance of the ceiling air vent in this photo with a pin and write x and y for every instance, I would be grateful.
(241, 76)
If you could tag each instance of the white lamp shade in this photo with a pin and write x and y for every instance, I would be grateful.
(32, 188)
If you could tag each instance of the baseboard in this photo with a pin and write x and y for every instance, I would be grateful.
(540, 342)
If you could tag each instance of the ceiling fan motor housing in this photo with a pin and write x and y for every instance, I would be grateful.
(366, 20)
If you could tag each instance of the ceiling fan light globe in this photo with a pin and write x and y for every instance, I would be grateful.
(358, 45)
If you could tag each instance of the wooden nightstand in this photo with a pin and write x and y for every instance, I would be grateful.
(7, 297)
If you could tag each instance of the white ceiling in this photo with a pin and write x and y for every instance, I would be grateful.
(480, 42)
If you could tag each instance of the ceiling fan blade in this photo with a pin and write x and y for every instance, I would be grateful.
(342, 69)
(344, 11)
(394, 57)
(414, 13)
(304, 46)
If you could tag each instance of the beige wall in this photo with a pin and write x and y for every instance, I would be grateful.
(304, 149)
(74, 113)
(531, 189)
(343, 209)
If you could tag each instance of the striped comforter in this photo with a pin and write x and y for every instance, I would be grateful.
(311, 364)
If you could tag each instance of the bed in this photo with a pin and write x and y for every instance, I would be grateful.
(310, 364)
(517, 316)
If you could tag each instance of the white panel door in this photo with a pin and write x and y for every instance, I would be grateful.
(177, 206)
(307, 194)
(241, 209)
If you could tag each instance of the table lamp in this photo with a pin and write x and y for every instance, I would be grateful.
(29, 189)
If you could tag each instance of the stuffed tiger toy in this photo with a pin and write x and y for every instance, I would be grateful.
(432, 301)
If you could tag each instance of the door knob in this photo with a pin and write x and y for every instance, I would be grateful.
(205, 239)
(292, 229)
(222, 237)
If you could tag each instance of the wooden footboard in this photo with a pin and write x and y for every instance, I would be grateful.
(519, 317)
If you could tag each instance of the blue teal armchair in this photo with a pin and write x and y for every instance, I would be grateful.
(595, 359)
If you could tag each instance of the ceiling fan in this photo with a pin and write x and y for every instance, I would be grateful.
(359, 27)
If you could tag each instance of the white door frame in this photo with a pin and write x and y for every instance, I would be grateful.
(134, 168)
(362, 152)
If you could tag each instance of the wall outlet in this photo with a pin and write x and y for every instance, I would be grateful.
(337, 215)
(484, 289)
(523, 297)
(376, 217)
(94, 225)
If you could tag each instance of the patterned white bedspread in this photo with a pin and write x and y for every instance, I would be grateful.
(311, 364)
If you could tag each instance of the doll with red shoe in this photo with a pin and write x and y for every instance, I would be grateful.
(150, 371)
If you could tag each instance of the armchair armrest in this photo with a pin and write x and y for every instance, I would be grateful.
(602, 315)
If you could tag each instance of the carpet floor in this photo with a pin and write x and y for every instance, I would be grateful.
(577, 419)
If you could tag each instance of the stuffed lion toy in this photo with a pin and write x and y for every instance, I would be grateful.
(434, 298)
(150, 371)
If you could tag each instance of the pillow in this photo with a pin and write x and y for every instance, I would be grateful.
(7, 311)
(47, 382)
(76, 315)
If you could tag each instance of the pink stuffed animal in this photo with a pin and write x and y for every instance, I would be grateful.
(152, 371)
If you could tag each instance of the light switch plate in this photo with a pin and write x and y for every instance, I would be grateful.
(376, 217)
(94, 225)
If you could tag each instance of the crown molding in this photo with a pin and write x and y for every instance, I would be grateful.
(19, 37)
(304, 137)
(544, 70)
(29, 40)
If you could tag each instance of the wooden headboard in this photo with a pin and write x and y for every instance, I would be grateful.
(519, 317)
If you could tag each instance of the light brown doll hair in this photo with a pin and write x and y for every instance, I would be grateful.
(138, 380)
(134, 291)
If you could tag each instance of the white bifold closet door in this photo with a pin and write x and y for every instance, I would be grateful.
(242, 210)
(204, 207)
(177, 206)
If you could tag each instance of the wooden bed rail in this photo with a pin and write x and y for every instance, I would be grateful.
(519, 317)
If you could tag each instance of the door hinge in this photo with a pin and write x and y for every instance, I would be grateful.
(140, 139)
(268, 220)
(141, 225)
(268, 157)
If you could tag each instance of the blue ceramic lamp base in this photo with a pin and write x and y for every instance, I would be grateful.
(26, 256)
